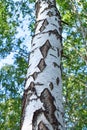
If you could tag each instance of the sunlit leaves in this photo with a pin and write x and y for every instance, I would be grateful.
(7, 29)
(12, 83)
(4, 26)
(74, 62)
(10, 112)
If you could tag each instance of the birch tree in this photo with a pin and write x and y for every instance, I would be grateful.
(42, 101)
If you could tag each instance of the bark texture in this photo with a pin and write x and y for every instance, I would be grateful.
(42, 101)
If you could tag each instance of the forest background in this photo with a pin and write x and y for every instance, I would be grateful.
(17, 21)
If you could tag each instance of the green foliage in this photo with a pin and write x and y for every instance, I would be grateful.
(7, 28)
(12, 77)
(10, 114)
(74, 63)
(11, 94)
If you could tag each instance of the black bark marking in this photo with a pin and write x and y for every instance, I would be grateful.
(37, 7)
(48, 102)
(45, 48)
(36, 114)
(50, 6)
(39, 84)
(34, 75)
(23, 107)
(33, 44)
(32, 86)
(51, 85)
(41, 65)
(61, 52)
(54, 25)
(51, 3)
(55, 32)
(42, 28)
(26, 99)
(42, 126)
(58, 53)
(36, 25)
(34, 50)
(44, 24)
(53, 55)
(61, 68)
(60, 29)
(56, 65)
(57, 80)
(50, 13)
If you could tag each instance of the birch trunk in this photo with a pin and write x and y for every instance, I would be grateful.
(42, 102)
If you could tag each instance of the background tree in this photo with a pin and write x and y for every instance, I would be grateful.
(74, 60)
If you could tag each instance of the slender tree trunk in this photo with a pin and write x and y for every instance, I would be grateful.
(42, 102)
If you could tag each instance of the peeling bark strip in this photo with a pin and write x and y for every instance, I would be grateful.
(42, 101)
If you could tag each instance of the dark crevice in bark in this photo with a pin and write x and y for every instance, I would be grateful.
(34, 75)
(56, 65)
(53, 55)
(61, 68)
(42, 28)
(44, 24)
(34, 50)
(37, 7)
(51, 85)
(54, 25)
(55, 32)
(42, 64)
(26, 100)
(38, 21)
(53, 48)
(39, 84)
(50, 14)
(61, 52)
(48, 102)
(36, 114)
(23, 108)
(44, 49)
(50, 6)
(58, 53)
(32, 86)
(60, 28)
(57, 80)
(42, 126)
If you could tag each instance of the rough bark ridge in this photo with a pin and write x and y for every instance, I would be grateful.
(42, 102)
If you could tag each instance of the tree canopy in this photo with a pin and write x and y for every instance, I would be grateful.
(15, 39)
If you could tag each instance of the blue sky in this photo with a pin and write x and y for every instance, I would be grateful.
(22, 32)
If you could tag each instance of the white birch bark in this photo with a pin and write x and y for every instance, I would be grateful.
(42, 103)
